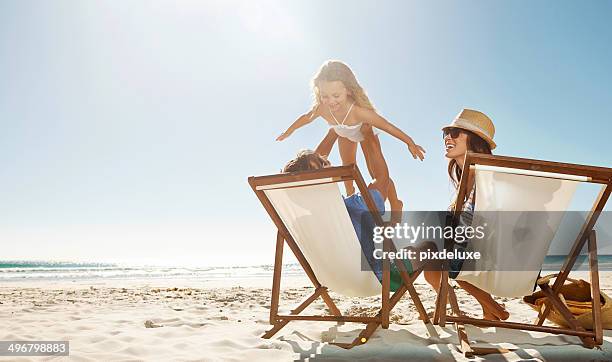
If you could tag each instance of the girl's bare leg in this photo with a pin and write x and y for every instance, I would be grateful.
(369, 136)
(348, 154)
(324, 148)
(373, 154)
(397, 205)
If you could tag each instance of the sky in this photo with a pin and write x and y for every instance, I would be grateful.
(128, 128)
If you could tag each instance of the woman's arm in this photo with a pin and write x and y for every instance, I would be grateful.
(302, 120)
(375, 120)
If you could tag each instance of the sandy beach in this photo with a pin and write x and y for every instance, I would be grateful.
(218, 320)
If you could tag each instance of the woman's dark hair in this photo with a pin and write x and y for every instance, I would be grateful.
(475, 144)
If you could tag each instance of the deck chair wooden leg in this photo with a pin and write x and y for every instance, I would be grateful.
(464, 342)
(595, 294)
(436, 316)
(330, 303)
(386, 286)
(582, 237)
(567, 315)
(543, 313)
(362, 338)
(443, 298)
(440, 311)
(276, 279)
(365, 335)
(408, 281)
(452, 298)
(278, 325)
(417, 303)
(371, 327)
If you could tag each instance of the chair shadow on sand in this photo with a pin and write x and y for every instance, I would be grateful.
(403, 343)
(375, 349)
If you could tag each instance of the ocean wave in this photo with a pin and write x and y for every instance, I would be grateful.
(27, 270)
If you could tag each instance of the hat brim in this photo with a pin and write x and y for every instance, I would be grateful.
(474, 130)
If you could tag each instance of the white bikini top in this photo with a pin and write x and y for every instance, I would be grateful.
(353, 132)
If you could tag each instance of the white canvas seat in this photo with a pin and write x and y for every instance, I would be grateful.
(311, 217)
(513, 238)
(522, 202)
(320, 224)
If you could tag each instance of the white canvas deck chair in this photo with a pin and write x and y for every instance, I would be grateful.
(308, 210)
(516, 184)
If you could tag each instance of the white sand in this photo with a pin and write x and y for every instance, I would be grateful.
(193, 320)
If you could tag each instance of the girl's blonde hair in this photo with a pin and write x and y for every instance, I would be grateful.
(335, 70)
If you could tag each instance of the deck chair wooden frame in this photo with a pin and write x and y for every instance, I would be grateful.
(278, 321)
(597, 175)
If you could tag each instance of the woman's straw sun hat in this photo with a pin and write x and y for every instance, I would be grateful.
(476, 122)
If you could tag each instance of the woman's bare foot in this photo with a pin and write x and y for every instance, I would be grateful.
(495, 313)
(489, 316)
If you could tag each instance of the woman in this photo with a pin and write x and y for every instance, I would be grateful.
(470, 131)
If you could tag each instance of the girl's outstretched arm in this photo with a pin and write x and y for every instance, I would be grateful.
(324, 148)
(375, 120)
(302, 120)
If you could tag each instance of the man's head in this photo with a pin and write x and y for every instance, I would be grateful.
(306, 160)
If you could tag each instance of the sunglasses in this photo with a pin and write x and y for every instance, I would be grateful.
(453, 132)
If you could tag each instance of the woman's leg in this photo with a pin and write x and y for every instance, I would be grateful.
(373, 155)
(426, 265)
(348, 154)
(491, 310)
(433, 278)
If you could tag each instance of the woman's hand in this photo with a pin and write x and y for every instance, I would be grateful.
(416, 151)
(284, 135)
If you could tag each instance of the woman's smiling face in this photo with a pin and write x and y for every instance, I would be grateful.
(456, 148)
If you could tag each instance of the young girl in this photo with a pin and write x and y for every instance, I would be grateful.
(340, 100)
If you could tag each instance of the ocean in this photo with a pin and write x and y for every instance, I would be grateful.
(51, 270)
(15, 270)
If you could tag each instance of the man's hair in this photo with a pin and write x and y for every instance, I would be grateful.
(306, 160)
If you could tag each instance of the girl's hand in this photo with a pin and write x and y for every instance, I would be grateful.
(417, 151)
(283, 135)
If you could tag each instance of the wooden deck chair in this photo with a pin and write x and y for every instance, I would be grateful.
(308, 210)
(512, 180)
